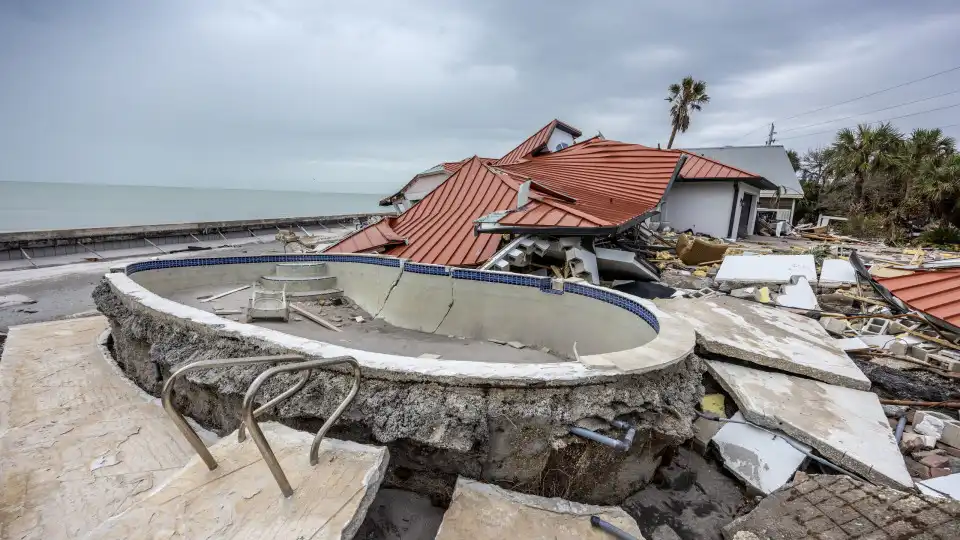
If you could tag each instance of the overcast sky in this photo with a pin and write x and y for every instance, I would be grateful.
(359, 96)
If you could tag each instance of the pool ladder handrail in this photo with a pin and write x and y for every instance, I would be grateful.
(249, 415)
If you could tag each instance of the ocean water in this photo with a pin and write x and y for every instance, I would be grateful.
(34, 205)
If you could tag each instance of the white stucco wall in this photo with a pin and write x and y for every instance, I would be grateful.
(424, 185)
(701, 206)
(559, 136)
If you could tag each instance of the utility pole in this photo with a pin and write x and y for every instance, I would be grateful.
(770, 139)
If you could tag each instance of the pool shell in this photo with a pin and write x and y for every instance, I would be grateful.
(495, 421)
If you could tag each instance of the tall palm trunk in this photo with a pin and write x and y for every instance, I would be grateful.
(858, 180)
(673, 134)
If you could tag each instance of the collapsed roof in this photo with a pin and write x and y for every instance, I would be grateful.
(594, 187)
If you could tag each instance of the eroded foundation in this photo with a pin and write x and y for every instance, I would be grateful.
(507, 425)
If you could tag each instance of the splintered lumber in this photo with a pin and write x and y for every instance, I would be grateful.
(315, 318)
(221, 295)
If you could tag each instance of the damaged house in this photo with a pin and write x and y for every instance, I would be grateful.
(552, 203)
(773, 164)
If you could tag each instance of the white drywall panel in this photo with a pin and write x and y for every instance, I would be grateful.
(702, 206)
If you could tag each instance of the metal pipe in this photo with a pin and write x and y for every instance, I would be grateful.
(147, 240)
(249, 415)
(81, 244)
(610, 528)
(315, 447)
(29, 260)
(242, 433)
(181, 422)
(901, 425)
(602, 439)
(306, 232)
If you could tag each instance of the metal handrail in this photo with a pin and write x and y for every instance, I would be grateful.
(249, 414)
(181, 422)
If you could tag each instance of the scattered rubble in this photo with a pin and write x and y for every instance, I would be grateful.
(846, 426)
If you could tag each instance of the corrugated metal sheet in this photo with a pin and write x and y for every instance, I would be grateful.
(535, 142)
(936, 293)
(370, 238)
(610, 180)
(594, 183)
(439, 229)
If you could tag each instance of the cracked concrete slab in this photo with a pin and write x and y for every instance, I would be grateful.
(78, 442)
(240, 499)
(761, 460)
(767, 336)
(848, 427)
(480, 510)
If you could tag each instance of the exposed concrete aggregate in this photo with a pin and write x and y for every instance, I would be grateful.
(513, 436)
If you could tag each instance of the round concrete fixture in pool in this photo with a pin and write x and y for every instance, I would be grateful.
(465, 372)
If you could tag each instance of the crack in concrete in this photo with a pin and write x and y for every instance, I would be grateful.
(389, 292)
(449, 307)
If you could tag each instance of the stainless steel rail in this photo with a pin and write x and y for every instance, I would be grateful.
(181, 422)
(290, 363)
(250, 421)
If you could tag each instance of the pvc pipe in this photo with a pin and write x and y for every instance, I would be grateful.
(611, 528)
(602, 439)
(901, 424)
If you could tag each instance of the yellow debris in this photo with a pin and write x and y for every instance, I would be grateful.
(713, 403)
(763, 295)
(700, 273)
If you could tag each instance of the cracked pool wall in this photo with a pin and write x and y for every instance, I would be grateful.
(509, 430)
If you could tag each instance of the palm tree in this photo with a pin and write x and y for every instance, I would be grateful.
(689, 95)
(938, 185)
(865, 152)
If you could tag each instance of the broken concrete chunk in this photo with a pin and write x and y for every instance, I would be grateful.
(909, 442)
(931, 426)
(798, 294)
(516, 344)
(948, 486)
(430, 356)
(846, 426)
(761, 460)
(767, 336)
(895, 411)
(766, 268)
(836, 273)
(835, 326)
(359, 319)
(479, 510)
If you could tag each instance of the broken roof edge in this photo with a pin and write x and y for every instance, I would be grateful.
(386, 230)
(553, 230)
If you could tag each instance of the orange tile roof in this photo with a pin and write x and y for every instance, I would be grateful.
(449, 167)
(439, 229)
(535, 142)
(934, 292)
(610, 180)
(595, 184)
(372, 238)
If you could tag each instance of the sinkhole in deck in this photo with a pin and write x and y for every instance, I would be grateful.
(413, 309)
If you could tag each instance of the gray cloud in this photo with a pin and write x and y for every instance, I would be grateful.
(360, 97)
